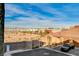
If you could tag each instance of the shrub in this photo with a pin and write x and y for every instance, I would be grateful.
(33, 47)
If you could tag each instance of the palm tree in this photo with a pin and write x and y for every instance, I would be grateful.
(49, 41)
(39, 39)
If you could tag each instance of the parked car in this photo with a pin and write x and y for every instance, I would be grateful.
(67, 47)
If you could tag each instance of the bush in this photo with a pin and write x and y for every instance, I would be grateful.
(33, 47)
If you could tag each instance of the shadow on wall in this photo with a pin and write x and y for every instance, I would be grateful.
(22, 45)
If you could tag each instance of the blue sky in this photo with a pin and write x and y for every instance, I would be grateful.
(44, 15)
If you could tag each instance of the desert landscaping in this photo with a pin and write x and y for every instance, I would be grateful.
(48, 36)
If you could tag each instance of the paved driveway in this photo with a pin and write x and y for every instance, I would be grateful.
(39, 52)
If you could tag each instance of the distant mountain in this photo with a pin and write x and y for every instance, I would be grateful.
(71, 32)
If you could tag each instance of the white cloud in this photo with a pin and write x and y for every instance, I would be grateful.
(13, 8)
(18, 10)
(51, 10)
(22, 22)
(33, 21)
(30, 23)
